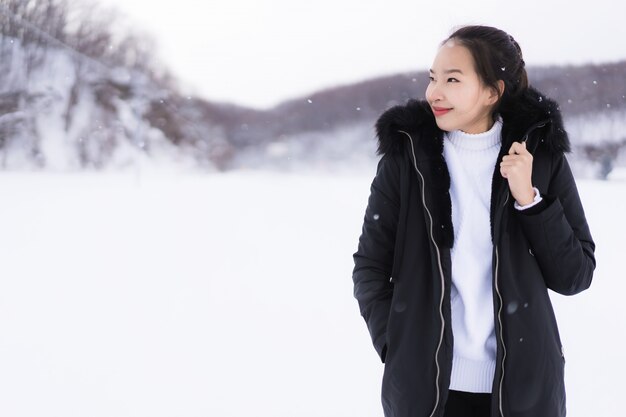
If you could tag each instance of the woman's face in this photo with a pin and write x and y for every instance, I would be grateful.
(458, 98)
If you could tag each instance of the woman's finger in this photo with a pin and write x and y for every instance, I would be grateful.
(518, 148)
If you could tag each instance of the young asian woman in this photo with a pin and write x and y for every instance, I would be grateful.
(473, 216)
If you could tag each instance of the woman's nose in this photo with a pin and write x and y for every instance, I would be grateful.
(433, 93)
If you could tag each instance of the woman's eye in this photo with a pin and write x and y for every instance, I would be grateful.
(453, 80)
(431, 79)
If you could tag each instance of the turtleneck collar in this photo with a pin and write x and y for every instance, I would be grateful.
(477, 141)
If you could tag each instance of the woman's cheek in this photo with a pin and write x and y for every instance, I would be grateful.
(427, 93)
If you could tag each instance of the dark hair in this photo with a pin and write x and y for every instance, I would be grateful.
(497, 56)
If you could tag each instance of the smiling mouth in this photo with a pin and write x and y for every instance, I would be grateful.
(440, 111)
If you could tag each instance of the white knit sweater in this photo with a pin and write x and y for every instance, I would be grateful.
(471, 160)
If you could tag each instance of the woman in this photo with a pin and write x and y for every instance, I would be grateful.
(473, 215)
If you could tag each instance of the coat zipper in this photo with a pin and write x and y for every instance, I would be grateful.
(440, 273)
(501, 336)
(500, 326)
(497, 288)
(530, 129)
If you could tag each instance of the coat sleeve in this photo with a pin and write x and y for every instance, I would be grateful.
(373, 261)
(559, 234)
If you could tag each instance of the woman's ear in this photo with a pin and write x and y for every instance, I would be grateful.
(496, 95)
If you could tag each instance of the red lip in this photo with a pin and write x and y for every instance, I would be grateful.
(440, 111)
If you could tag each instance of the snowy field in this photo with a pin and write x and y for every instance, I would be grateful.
(230, 295)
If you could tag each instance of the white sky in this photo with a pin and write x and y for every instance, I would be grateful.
(260, 52)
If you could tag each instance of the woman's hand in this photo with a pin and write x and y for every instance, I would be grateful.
(517, 168)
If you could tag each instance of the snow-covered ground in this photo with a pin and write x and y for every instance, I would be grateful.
(156, 295)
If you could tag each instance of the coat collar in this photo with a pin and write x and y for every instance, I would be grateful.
(532, 109)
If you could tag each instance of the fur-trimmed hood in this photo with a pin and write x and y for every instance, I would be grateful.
(532, 109)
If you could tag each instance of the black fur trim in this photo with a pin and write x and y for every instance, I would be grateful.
(411, 117)
(530, 109)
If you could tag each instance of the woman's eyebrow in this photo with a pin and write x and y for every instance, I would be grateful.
(449, 71)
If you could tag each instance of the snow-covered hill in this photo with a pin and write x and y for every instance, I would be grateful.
(150, 294)
(70, 112)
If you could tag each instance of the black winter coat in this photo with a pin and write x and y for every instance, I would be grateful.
(402, 275)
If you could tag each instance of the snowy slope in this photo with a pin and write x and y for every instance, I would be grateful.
(70, 113)
(228, 295)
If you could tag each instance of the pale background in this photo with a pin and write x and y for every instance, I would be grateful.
(259, 52)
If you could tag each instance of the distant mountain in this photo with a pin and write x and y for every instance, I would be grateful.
(592, 99)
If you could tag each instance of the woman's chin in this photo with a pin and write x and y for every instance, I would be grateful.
(447, 127)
